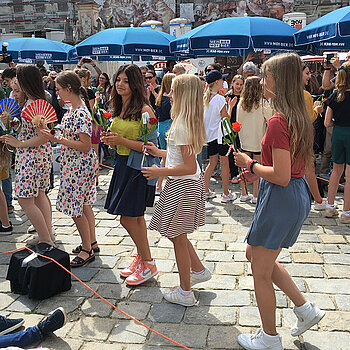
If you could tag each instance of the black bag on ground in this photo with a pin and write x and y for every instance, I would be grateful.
(37, 276)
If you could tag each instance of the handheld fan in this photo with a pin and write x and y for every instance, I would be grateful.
(39, 111)
(9, 108)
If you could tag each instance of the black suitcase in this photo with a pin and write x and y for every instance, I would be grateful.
(37, 276)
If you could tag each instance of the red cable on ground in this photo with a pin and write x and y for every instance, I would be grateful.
(102, 298)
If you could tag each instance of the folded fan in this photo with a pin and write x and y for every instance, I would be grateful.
(9, 108)
(40, 111)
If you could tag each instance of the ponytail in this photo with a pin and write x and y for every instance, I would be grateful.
(85, 98)
(207, 93)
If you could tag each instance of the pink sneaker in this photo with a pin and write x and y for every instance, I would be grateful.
(132, 267)
(145, 271)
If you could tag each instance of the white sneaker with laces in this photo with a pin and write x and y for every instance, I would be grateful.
(260, 341)
(246, 198)
(308, 317)
(173, 295)
(321, 206)
(31, 229)
(200, 277)
(254, 200)
(228, 198)
(210, 195)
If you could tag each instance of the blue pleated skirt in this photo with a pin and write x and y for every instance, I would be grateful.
(280, 213)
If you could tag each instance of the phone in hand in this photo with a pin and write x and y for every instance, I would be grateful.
(87, 60)
(328, 58)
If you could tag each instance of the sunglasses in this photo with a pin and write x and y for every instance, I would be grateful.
(149, 77)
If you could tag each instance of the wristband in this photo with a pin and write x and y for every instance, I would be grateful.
(251, 164)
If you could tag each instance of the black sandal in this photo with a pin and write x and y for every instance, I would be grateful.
(78, 261)
(77, 249)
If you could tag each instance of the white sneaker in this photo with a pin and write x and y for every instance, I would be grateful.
(200, 277)
(321, 206)
(173, 295)
(53, 233)
(31, 229)
(246, 198)
(260, 341)
(254, 200)
(228, 198)
(210, 195)
(308, 317)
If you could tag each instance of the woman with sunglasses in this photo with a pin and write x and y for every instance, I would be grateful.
(152, 87)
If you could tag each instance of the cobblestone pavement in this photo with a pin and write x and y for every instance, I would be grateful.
(319, 263)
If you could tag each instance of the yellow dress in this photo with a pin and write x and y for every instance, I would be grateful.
(125, 128)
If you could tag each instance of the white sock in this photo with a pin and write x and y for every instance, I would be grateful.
(184, 292)
(270, 336)
(198, 272)
(303, 307)
(346, 213)
(3, 226)
(330, 206)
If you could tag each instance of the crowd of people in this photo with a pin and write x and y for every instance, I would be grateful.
(276, 152)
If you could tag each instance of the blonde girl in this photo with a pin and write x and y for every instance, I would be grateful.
(163, 108)
(337, 115)
(253, 112)
(215, 109)
(33, 161)
(181, 206)
(284, 200)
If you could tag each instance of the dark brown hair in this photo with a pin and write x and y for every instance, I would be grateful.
(138, 93)
(31, 82)
(69, 79)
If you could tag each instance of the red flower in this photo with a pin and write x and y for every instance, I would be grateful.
(236, 126)
(107, 115)
(13, 123)
(153, 120)
(52, 132)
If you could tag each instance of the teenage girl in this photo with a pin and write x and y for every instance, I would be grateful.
(79, 164)
(313, 109)
(337, 115)
(284, 199)
(181, 206)
(33, 160)
(253, 113)
(129, 192)
(163, 107)
(234, 93)
(215, 109)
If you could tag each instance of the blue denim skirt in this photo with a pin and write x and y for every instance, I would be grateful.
(280, 213)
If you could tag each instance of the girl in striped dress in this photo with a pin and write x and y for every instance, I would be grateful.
(181, 206)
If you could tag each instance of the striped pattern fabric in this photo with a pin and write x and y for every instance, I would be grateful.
(180, 209)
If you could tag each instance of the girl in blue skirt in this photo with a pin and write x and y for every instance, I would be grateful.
(283, 201)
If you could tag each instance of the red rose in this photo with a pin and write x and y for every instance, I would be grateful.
(107, 115)
(52, 132)
(13, 123)
(236, 126)
(153, 120)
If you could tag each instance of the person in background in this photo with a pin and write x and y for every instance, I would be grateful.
(144, 71)
(51, 88)
(169, 66)
(217, 66)
(8, 75)
(90, 61)
(163, 108)
(152, 87)
(179, 69)
(250, 69)
(104, 90)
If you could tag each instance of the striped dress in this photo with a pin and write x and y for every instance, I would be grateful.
(181, 206)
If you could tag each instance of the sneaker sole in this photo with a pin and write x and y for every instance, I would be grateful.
(194, 283)
(314, 321)
(249, 348)
(11, 329)
(125, 275)
(178, 302)
(143, 281)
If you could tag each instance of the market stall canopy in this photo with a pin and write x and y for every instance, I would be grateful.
(125, 42)
(331, 31)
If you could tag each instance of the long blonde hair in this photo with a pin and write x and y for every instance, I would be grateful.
(288, 101)
(165, 87)
(188, 110)
(207, 94)
(251, 94)
(342, 83)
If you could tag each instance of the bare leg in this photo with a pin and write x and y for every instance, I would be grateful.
(36, 217)
(83, 227)
(225, 173)
(196, 264)
(4, 217)
(44, 204)
(90, 216)
(137, 229)
(334, 181)
(346, 206)
(183, 260)
(95, 147)
(213, 160)
(310, 177)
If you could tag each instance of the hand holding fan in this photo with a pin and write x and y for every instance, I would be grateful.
(9, 112)
(39, 111)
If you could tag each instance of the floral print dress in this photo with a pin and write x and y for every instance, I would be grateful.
(78, 169)
(33, 164)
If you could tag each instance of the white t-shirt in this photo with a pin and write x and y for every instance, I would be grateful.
(177, 138)
(225, 85)
(212, 118)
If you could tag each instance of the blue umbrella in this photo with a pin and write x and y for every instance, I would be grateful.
(334, 28)
(37, 49)
(126, 41)
(226, 35)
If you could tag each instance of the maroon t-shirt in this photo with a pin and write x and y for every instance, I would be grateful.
(277, 136)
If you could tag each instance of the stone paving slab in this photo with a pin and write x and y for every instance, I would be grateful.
(318, 263)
